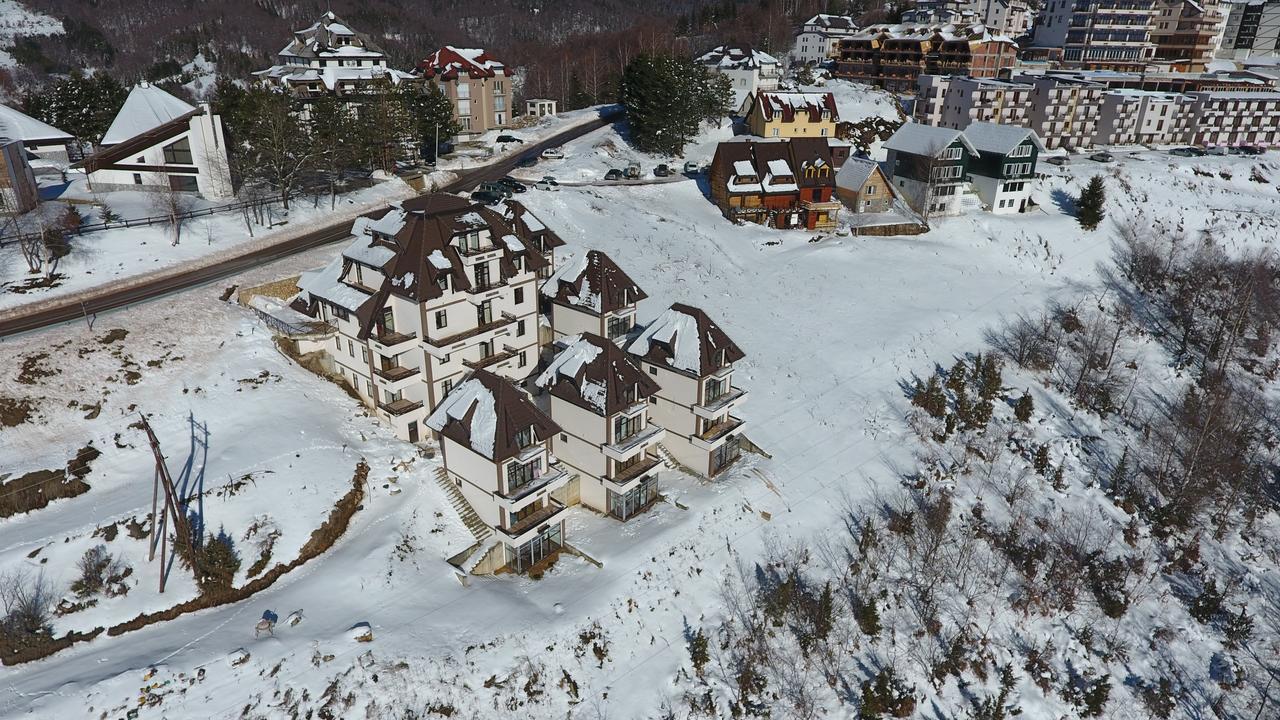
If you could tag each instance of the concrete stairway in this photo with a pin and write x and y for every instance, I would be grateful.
(460, 505)
(671, 461)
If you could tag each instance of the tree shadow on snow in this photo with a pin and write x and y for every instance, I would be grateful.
(1065, 201)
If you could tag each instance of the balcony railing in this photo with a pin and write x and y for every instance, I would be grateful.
(635, 471)
(720, 429)
(493, 359)
(445, 342)
(391, 338)
(553, 507)
(478, 288)
(396, 373)
(401, 406)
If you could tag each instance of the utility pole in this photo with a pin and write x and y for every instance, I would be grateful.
(172, 510)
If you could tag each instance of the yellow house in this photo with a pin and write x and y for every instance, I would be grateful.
(792, 115)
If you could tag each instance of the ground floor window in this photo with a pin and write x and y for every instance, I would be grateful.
(539, 548)
(725, 454)
(183, 183)
(626, 505)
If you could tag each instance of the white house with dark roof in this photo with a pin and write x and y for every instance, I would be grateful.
(928, 167)
(748, 69)
(589, 293)
(692, 361)
(329, 57)
(600, 400)
(428, 291)
(496, 448)
(819, 38)
(40, 139)
(158, 141)
(1004, 170)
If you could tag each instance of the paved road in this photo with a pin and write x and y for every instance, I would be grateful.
(73, 308)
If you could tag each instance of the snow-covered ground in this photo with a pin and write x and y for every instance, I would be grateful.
(830, 329)
(588, 158)
(485, 148)
(857, 101)
(19, 21)
(120, 254)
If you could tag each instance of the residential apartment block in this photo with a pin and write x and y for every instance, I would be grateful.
(1098, 34)
(1144, 117)
(692, 361)
(927, 166)
(590, 294)
(330, 57)
(1224, 119)
(819, 38)
(894, 56)
(792, 115)
(601, 402)
(1252, 29)
(478, 86)
(1187, 33)
(775, 182)
(750, 71)
(496, 447)
(1007, 17)
(159, 141)
(1062, 111)
(428, 291)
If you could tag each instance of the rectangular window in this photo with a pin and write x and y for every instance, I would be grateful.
(184, 183)
(178, 153)
(351, 348)
(524, 359)
(1020, 151)
(137, 178)
(443, 282)
(519, 328)
(619, 326)
(519, 475)
(715, 389)
(952, 153)
(364, 354)
(445, 387)
(524, 438)
(625, 427)
(484, 313)
(519, 295)
(464, 90)
(337, 344)
(442, 319)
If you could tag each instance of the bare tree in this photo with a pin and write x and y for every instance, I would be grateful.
(174, 206)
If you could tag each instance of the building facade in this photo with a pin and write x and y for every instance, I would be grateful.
(157, 141)
(478, 86)
(428, 291)
(819, 38)
(928, 167)
(785, 184)
(1099, 34)
(1062, 110)
(590, 294)
(894, 56)
(1144, 117)
(1251, 29)
(749, 71)
(692, 361)
(1187, 33)
(863, 187)
(792, 115)
(40, 139)
(329, 57)
(18, 191)
(1004, 169)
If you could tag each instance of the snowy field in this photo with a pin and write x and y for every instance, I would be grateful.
(587, 159)
(485, 149)
(830, 330)
(112, 256)
(857, 101)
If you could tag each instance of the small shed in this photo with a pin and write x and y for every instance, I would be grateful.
(540, 107)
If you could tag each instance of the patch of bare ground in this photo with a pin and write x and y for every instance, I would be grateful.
(37, 283)
(15, 411)
(36, 489)
(35, 368)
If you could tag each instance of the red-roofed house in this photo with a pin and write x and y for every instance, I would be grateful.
(792, 114)
(476, 84)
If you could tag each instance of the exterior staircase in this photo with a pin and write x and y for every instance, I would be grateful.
(478, 528)
(671, 461)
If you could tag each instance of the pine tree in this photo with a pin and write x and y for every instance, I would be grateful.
(1089, 206)
(429, 113)
(824, 617)
(667, 98)
(930, 397)
(79, 105)
(218, 562)
(1024, 408)
(334, 139)
(1040, 461)
(698, 652)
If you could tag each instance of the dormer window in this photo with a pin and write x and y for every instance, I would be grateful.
(524, 438)
(443, 282)
(629, 395)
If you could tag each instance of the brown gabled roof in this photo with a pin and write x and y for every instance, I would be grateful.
(529, 227)
(449, 61)
(113, 154)
(485, 412)
(788, 105)
(593, 282)
(811, 158)
(595, 374)
(685, 340)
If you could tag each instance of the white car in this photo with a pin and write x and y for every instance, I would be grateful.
(553, 154)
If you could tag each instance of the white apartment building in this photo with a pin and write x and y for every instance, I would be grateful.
(1064, 111)
(1224, 119)
(429, 290)
(1252, 29)
(955, 102)
(1011, 18)
(1103, 34)
(601, 402)
(590, 294)
(748, 70)
(1139, 117)
(496, 447)
(692, 360)
(820, 37)
(157, 141)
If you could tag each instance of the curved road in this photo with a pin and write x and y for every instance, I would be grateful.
(74, 309)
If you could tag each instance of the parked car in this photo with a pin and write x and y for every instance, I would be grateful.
(1103, 157)
(487, 197)
(632, 172)
(1248, 150)
(1187, 152)
(1217, 149)
(692, 168)
(527, 161)
(513, 184)
(614, 174)
(548, 184)
(509, 139)
(495, 187)
(554, 153)
(1058, 160)
(662, 171)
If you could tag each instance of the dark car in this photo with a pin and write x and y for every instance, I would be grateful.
(487, 197)
(614, 174)
(1248, 150)
(513, 184)
(509, 139)
(496, 188)
(527, 161)
(1188, 152)
(662, 171)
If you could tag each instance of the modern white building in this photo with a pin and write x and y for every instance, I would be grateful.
(329, 57)
(601, 402)
(157, 141)
(496, 447)
(1252, 29)
(42, 140)
(590, 294)
(426, 292)
(747, 69)
(1004, 170)
(692, 361)
(820, 37)
(1101, 35)
(1144, 117)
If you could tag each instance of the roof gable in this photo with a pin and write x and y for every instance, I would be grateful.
(17, 125)
(486, 412)
(147, 107)
(926, 140)
(593, 282)
(595, 374)
(998, 138)
(684, 339)
(449, 61)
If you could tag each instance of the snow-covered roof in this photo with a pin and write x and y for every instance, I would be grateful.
(593, 373)
(326, 284)
(488, 413)
(593, 282)
(743, 168)
(147, 107)
(726, 57)
(17, 125)
(449, 61)
(332, 76)
(471, 403)
(855, 172)
(832, 22)
(330, 36)
(788, 105)
(364, 252)
(998, 138)
(684, 338)
(926, 140)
